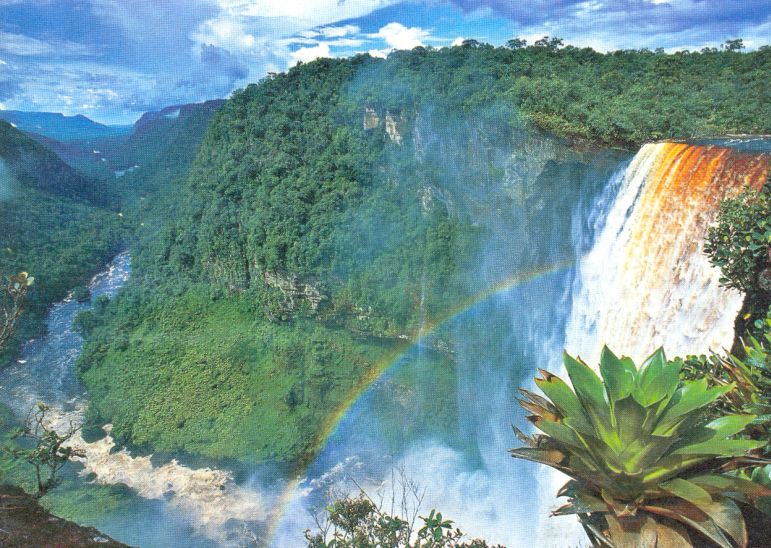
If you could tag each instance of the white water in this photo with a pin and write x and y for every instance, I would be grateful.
(635, 299)
(207, 499)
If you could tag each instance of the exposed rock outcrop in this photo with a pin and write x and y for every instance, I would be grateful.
(392, 128)
(371, 119)
(24, 523)
(295, 290)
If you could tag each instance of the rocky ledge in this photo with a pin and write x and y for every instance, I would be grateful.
(24, 523)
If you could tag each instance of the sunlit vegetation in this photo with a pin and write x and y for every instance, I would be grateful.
(205, 376)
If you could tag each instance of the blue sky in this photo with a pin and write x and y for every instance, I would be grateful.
(114, 59)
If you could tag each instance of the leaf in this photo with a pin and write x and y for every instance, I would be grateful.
(586, 383)
(690, 515)
(560, 432)
(618, 374)
(731, 486)
(656, 379)
(728, 517)
(672, 535)
(687, 490)
(566, 401)
(632, 531)
(581, 503)
(720, 448)
(549, 457)
(691, 396)
(730, 424)
(591, 393)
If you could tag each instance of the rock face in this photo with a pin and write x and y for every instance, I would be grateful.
(392, 129)
(24, 523)
(371, 119)
(295, 291)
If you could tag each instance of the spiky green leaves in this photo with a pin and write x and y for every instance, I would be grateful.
(629, 437)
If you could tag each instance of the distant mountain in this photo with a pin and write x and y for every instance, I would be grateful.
(60, 127)
(162, 132)
(174, 112)
(36, 167)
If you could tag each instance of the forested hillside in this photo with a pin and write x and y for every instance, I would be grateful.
(53, 223)
(317, 227)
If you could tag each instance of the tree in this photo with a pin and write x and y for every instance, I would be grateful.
(551, 44)
(49, 452)
(734, 45)
(471, 43)
(362, 522)
(516, 43)
(12, 304)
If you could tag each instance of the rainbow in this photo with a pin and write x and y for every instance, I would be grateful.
(393, 358)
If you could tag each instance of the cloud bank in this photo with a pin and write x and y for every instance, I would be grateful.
(113, 60)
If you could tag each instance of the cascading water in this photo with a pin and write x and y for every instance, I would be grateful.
(647, 283)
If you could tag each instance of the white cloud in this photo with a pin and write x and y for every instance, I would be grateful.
(398, 36)
(382, 53)
(319, 11)
(18, 44)
(346, 43)
(338, 32)
(226, 33)
(309, 54)
(458, 41)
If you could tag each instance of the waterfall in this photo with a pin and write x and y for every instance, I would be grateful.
(646, 282)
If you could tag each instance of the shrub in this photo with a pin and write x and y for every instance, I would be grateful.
(739, 244)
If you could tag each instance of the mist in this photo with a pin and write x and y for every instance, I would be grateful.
(525, 200)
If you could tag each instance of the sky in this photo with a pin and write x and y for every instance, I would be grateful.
(112, 60)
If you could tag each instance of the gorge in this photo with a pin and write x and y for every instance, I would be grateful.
(340, 276)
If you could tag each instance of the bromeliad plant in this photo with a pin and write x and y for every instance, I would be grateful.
(647, 467)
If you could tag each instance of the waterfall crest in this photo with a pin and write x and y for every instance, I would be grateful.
(646, 282)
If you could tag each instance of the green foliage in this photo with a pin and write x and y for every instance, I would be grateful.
(739, 243)
(646, 460)
(49, 451)
(359, 522)
(49, 225)
(751, 375)
(211, 377)
(12, 304)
